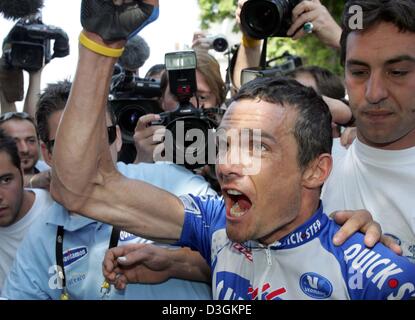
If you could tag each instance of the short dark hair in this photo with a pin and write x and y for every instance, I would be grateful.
(8, 145)
(328, 84)
(401, 13)
(312, 129)
(157, 69)
(53, 99)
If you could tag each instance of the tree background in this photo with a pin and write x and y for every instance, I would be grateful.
(309, 48)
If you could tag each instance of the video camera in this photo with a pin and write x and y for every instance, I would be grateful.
(132, 97)
(261, 19)
(28, 44)
(186, 118)
(290, 63)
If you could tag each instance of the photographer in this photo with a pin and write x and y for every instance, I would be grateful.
(210, 94)
(324, 28)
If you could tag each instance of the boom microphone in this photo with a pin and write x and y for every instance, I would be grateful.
(135, 54)
(15, 9)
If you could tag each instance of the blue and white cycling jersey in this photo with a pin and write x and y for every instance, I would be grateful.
(305, 264)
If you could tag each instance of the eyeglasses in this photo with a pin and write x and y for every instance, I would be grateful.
(112, 135)
(15, 115)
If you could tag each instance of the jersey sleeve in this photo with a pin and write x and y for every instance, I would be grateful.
(203, 216)
(373, 273)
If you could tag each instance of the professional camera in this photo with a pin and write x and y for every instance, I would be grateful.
(261, 19)
(186, 119)
(217, 43)
(27, 46)
(289, 64)
(132, 97)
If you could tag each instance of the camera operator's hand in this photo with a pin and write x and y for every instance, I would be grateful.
(340, 112)
(115, 20)
(325, 27)
(249, 52)
(144, 141)
(200, 41)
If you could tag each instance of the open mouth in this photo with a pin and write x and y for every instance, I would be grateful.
(237, 203)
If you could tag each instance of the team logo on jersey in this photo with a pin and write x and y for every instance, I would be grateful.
(266, 292)
(231, 286)
(315, 285)
(125, 236)
(75, 254)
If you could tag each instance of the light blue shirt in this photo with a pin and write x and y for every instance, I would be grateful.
(34, 271)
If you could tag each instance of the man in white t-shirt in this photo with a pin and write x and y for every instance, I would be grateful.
(19, 207)
(378, 171)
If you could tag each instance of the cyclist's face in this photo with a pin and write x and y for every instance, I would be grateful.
(262, 205)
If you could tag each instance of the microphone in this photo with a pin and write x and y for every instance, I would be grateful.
(135, 54)
(15, 9)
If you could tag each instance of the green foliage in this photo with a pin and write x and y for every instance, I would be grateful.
(309, 47)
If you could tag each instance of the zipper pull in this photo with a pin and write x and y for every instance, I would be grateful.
(268, 252)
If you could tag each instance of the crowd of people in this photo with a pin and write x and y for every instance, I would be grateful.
(335, 162)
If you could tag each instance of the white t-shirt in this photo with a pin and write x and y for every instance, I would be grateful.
(10, 237)
(380, 181)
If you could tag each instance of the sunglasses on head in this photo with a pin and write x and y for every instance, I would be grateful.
(15, 115)
(112, 135)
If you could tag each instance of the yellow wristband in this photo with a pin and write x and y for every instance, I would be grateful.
(248, 42)
(98, 48)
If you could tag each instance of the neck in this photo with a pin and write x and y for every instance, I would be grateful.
(27, 203)
(405, 142)
(310, 200)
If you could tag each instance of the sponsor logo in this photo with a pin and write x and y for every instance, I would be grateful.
(231, 286)
(75, 278)
(379, 270)
(245, 251)
(299, 237)
(315, 285)
(125, 236)
(75, 254)
(266, 292)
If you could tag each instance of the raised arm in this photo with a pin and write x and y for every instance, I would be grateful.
(84, 177)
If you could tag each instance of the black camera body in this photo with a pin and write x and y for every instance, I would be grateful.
(130, 98)
(28, 44)
(181, 67)
(261, 19)
(287, 64)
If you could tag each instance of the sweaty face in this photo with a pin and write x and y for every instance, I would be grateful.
(380, 79)
(11, 191)
(261, 206)
(24, 133)
(204, 94)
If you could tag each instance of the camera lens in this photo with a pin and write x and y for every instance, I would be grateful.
(261, 19)
(128, 118)
(220, 44)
